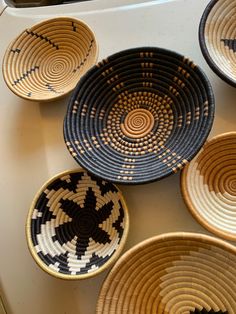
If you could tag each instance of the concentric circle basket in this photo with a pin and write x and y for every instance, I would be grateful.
(139, 115)
(173, 273)
(46, 61)
(209, 185)
(77, 225)
(218, 39)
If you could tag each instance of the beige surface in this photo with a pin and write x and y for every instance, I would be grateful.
(32, 150)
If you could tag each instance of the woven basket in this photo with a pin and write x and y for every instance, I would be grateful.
(46, 61)
(218, 39)
(209, 186)
(176, 273)
(77, 225)
(139, 115)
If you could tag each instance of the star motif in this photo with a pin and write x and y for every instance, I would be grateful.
(85, 222)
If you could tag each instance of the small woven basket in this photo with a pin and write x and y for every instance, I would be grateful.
(77, 225)
(209, 186)
(46, 61)
(139, 115)
(174, 273)
(218, 39)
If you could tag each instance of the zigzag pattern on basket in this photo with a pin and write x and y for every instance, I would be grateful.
(77, 224)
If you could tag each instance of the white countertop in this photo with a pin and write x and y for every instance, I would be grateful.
(33, 150)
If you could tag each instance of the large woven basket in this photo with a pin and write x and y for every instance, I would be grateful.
(77, 225)
(217, 38)
(139, 115)
(46, 61)
(209, 185)
(176, 273)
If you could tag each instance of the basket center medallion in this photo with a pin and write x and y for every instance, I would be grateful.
(138, 123)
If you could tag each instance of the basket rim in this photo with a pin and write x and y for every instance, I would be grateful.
(37, 24)
(46, 268)
(202, 42)
(154, 49)
(187, 198)
(162, 237)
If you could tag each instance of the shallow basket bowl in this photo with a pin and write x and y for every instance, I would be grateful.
(46, 61)
(172, 273)
(77, 225)
(217, 38)
(139, 115)
(209, 185)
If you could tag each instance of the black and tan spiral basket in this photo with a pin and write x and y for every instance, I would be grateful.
(139, 115)
(174, 273)
(77, 225)
(46, 61)
(217, 38)
(209, 185)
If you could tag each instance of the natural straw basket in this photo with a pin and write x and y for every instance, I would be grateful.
(218, 39)
(77, 225)
(139, 115)
(209, 186)
(176, 273)
(46, 61)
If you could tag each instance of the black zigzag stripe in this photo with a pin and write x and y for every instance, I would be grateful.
(43, 38)
(204, 311)
(17, 50)
(231, 43)
(25, 75)
(49, 87)
(85, 59)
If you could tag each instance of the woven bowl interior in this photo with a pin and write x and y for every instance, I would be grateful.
(77, 225)
(218, 38)
(46, 61)
(178, 273)
(139, 115)
(209, 185)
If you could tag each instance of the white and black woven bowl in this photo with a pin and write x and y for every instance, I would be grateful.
(77, 225)
(176, 273)
(46, 61)
(139, 115)
(217, 37)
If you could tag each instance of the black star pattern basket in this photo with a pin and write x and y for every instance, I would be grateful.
(139, 115)
(77, 225)
(218, 39)
(173, 273)
(46, 61)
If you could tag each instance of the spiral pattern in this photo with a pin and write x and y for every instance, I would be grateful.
(138, 123)
(139, 115)
(46, 61)
(77, 225)
(209, 185)
(173, 273)
(218, 39)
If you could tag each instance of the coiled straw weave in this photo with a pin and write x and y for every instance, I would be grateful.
(176, 273)
(218, 39)
(77, 225)
(46, 61)
(209, 185)
(139, 115)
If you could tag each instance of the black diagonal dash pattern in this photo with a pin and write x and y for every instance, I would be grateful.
(25, 75)
(48, 40)
(230, 43)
